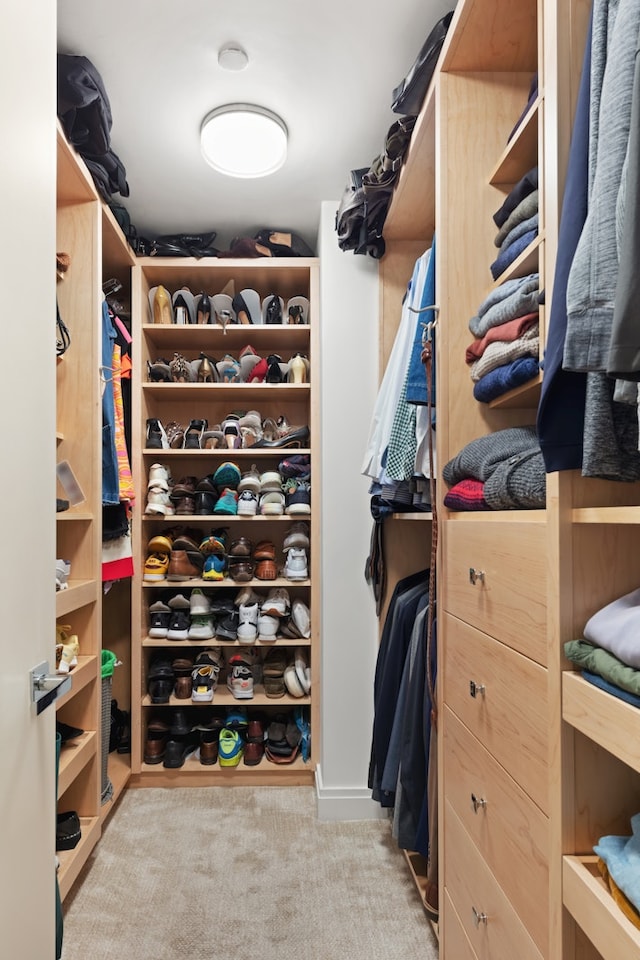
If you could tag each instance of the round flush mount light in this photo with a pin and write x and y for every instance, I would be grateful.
(244, 140)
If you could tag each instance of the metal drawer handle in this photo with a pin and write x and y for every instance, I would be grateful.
(477, 802)
(476, 688)
(475, 576)
(479, 918)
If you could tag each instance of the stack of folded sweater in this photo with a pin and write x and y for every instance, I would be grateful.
(609, 652)
(505, 351)
(501, 471)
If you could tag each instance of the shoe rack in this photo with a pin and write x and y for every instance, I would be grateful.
(183, 402)
(87, 232)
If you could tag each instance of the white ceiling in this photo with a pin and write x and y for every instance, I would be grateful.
(328, 69)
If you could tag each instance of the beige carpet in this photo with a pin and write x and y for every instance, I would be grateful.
(243, 874)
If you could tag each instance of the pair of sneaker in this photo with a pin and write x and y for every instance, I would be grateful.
(158, 490)
(296, 567)
(253, 624)
(204, 678)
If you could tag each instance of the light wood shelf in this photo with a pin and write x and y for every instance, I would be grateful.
(589, 901)
(84, 673)
(521, 153)
(411, 213)
(193, 773)
(77, 594)
(524, 397)
(72, 861)
(262, 336)
(223, 697)
(215, 642)
(222, 519)
(605, 719)
(74, 756)
(525, 263)
(418, 515)
(250, 392)
(224, 453)
(607, 515)
(222, 584)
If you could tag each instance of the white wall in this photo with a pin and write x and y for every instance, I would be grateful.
(349, 361)
(27, 482)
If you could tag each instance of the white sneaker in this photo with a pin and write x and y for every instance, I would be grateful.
(297, 536)
(267, 628)
(158, 477)
(199, 603)
(270, 480)
(158, 502)
(240, 678)
(302, 669)
(63, 569)
(272, 504)
(301, 618)
(292, 681)
(296, 566)
(201, 627)
(247, 622)
(250, 481)
(247, 504)
(277, 603)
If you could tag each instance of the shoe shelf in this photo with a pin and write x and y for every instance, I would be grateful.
(82, 675)
(250, 392)
(223, 453)
(77, 594)
(223, 584)
(218, 642)
(193, 773)
(197, 337)
(224, 698)
(72, 861)
(74, 756)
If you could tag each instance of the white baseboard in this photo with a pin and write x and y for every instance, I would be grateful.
(346, 803)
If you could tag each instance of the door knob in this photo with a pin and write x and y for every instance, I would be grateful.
(476, 688)
(479, 918)
(477, 802)
(475, 576)
(47, 687)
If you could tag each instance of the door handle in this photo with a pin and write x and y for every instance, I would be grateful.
(47, 687)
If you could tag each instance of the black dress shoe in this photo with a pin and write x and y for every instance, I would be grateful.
(205, 502)
(295, 438)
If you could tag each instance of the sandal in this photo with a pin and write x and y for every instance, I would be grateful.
(193, 434)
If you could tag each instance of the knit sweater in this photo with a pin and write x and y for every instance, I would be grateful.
(499, 353)
(594, 271)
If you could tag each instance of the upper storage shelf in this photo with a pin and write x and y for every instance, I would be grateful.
(501, 36)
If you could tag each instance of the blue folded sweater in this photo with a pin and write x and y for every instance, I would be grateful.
(505, 378)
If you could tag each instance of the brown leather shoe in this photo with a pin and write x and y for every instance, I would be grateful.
(265, 550)
(241, 570)
(253, 753)
(241, 547)
(265, 570)
(155, 744)
(181, 567)
(209, 747)
(185, 507)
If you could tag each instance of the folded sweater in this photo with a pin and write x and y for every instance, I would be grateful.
(505, 332)
(522, 300)
(499, 353)
(499, 381)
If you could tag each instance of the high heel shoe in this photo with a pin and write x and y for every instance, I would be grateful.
(184, 307)
(274, 372)
(203, 313)
(273, 310)
(159, 371)
(224, 317)
(162, 309)
(207, 371)
(193, 434)
(298, 370)
(181, 369)
(231, 432)
(241, 309)
(296, 314)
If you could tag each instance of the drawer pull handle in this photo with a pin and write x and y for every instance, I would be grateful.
(476, 688)
(475, 576)
(479, 918)
(477, 802)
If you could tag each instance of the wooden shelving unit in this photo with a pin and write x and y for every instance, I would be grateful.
(213, 401)
(87, 231)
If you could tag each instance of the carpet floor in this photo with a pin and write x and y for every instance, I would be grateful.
(247, 873)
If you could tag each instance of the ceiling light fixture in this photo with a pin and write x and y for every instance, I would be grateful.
(244, 140)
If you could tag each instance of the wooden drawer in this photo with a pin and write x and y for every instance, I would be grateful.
(510, 716)
(454, 939)
(508, 829)
(509, 600)
(476, 894)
